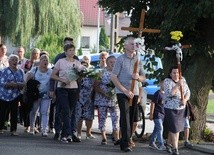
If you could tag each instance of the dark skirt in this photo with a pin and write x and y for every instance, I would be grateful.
(175, 119)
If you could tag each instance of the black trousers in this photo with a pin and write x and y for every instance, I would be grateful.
(9, 107)
(126, 119)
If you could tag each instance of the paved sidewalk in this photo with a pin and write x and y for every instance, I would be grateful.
(202, 147)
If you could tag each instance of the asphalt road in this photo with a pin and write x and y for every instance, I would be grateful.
(26, 144)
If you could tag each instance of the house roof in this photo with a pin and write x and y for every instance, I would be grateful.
(89, 9)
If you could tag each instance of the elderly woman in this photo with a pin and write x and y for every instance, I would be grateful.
(11, 84)
(105, 100)
(175, 107)
(42, 74)
(85, 106)
(67, 88)
(103, 57)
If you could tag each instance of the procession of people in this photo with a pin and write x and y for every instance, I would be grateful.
(60, 100)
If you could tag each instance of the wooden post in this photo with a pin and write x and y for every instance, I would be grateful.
(140, 30)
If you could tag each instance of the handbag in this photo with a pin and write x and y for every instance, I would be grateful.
(31, 92)
(190, 110)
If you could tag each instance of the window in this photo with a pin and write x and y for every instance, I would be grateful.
(85, 42)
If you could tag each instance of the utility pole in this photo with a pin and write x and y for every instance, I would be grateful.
(98, 30)
(114, 32)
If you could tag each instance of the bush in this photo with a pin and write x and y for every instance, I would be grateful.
(208, 135)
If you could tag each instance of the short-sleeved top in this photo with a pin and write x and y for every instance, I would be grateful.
(123, 69)
(9, 94)
(43, 78)
(63, 67)
(174, 101)
(159, 105)
(62, 55)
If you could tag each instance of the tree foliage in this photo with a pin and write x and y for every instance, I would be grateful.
(104, 41)
(22, 20)
(195, 18)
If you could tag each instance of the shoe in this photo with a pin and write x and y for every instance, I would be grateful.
(90, 137)
(128, 149)
(175, 152)
(168, 148)
(69, 139)
(32, 132)
(64, 140)
(45, 134)
(79, 136)
(27, 130)
(52, 130)
(162, 148)
(188, 144)
(153, 146)
(117, 142)
(56, 136)
(104, 142)
(14, 133)
(131, 144)
(76, 139)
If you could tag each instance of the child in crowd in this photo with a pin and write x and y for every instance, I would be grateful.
(157, 115)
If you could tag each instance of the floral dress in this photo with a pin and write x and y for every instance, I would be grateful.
(106, 104)
(85, 106)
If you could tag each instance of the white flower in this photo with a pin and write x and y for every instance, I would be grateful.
(72, 74)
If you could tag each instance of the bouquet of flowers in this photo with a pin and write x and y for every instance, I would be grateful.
(112, 92)
(73, 73)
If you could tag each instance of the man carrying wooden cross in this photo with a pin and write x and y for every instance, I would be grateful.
(127, 70)
(122, 76)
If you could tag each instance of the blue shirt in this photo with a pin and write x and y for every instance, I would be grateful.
(9, 94)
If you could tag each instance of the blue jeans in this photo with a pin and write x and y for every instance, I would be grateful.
(157, 134)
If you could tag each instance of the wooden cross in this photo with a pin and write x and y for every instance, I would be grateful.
(141, 28)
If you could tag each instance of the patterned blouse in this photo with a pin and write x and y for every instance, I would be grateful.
(85, 93)
(9, 94)
(102, 100)
(174, 101)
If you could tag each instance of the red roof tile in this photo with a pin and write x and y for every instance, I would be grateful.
(89, 8)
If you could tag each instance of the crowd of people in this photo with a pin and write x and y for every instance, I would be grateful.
(44, 98)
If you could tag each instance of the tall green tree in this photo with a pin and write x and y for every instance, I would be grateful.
(104, 41)
(196, 20)
(21, 20)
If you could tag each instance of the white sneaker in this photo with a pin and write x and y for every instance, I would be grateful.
(90, 137)
(52, 131)
(45, 134)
